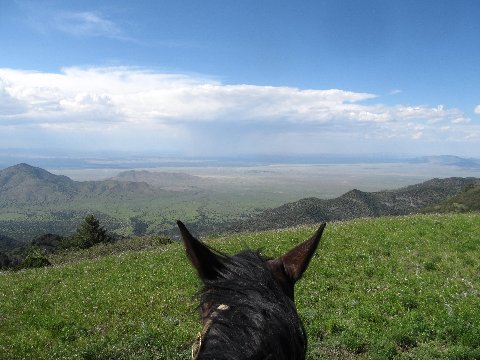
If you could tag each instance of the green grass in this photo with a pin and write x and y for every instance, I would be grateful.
(388, 288)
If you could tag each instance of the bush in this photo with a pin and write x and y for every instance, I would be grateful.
(35, 260)
(49, 242)
(5, 261)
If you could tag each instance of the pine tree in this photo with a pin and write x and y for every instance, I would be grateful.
(90, 233)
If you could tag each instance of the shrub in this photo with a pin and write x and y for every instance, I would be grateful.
(35, 260)
(5, 261)
(49, 242)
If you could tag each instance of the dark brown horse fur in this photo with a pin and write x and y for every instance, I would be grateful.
(247, 302)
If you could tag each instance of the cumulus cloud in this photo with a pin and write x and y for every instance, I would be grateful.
(135, 95)
(136, 102)
(9, 106)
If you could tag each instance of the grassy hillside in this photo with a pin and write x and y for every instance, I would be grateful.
(405, 287)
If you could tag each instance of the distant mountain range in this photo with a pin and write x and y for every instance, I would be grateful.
(356, 204)
(34, 201)
(58, 159)
(447, 160)
(25, 184)
(168, 180)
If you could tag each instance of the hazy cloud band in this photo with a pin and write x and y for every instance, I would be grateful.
(124, 100)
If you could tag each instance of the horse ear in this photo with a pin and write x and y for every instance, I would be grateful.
(206, 262)
(290, 267)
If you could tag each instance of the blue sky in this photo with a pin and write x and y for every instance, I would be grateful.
(241, 77)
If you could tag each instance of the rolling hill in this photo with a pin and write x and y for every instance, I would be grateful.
(356, 204)
(34, 202)
(25, 184)
(157, 178)
(466, 201)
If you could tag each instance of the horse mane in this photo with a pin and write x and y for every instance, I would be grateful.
(246, 303)
(256, 320)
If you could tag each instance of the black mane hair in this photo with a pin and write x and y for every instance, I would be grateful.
(251, 317)
(246, 303)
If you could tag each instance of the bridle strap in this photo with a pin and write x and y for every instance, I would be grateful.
(197, 345)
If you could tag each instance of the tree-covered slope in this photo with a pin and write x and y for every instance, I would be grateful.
(466, 201)
(34, 202)
(356, 204)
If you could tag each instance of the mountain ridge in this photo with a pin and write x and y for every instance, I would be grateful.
(355, 204)
(23, 183)
(162, 179)
(467, 200)
(447, 160)
(35, 202)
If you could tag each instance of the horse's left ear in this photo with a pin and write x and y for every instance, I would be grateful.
(204, 260)
(290, 267)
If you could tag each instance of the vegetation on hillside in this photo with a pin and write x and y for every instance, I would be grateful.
(34, 202)
(466, 201)
(35, 253)
(355, 204)
(90, 233)
(404, 287)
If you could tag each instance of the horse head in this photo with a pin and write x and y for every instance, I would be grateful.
(247, 301)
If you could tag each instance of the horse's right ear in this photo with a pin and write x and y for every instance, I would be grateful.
(206, 262)
(288, 268)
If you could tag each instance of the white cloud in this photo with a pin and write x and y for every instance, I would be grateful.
(8, 104)
(86, 24)
(477, 109)
(126, 103)
(45, 19)
(135, 95)
(395, 92)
